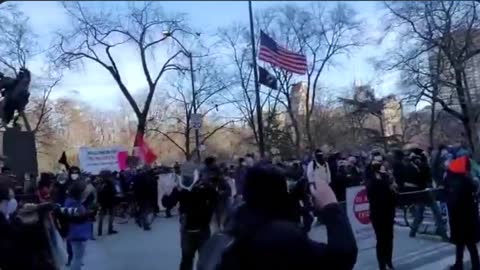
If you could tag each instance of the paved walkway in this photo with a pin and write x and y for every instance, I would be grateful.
(135, 249)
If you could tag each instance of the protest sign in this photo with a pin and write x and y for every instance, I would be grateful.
(96, 159)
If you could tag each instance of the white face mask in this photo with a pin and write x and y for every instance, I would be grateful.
(74, 176)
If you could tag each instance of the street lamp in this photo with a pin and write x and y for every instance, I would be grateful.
(187, 53)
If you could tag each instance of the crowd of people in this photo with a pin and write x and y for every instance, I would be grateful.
(248, 214)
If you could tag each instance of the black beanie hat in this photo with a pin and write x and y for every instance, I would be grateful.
(266, 191)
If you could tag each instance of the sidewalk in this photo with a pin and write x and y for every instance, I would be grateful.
(136, 249)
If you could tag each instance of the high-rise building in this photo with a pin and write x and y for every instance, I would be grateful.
(299, 98)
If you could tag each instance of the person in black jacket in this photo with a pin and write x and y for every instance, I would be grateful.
(145, 189)
(106, 200)
(266, 236)
(462, 193)
(197, 205)
(420, 177)
(381, 196)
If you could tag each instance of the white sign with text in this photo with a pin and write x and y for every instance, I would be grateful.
(96, 159)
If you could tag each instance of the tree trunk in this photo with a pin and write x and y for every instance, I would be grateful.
(141, 127)
(311, 144)
(431, 131)
(188, 153)
(467, 111)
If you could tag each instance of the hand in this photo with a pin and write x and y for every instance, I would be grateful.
(322, 193)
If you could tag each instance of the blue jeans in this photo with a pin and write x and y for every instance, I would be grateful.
(78, 248)
(437, 215)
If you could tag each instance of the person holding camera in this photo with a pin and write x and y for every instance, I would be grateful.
(381, 190)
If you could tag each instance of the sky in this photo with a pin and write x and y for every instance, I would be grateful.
(95, 86)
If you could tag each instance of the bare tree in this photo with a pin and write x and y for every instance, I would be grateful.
(208, 89)
(236, 41)
(439, 40)
(40, 108)
(97, 34)
(17, 40)
(323, 35)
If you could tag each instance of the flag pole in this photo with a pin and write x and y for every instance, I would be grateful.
(261, 145)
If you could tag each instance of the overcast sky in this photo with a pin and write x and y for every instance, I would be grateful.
(95, 85)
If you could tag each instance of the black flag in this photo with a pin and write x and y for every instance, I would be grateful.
(266, 78)
(63, 160)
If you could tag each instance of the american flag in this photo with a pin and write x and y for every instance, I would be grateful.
(274, 54)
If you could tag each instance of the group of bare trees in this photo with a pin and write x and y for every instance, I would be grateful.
(438, 44)
(323, 34)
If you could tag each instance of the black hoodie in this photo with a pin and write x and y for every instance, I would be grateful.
(282, 245)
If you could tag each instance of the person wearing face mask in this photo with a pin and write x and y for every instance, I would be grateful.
(318, 168)
(74, 173)
(381, 196)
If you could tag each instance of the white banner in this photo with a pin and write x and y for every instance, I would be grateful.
(96, 159)
(358, 212)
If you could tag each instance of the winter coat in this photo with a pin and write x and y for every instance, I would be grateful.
(196, 206)
(381, 197)
(80, 231)
(282, 245)
(462, 203)
(317, 171)
(106, 193)
(23, 246)
(146, 189)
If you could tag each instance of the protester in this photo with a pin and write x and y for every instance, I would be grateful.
(146, 192)
(419, 178)
(197, 204)
(79, 232)
(106, 200)
(266, 237)
(354, 175)
(168, 188)
(89, 200)
(73, 173)
(381, 196)
(318, 168)
(461, 186)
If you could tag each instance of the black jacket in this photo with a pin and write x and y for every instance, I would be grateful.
(145, 189)
(106, 193)
(462, 208)
(197, 206)
(23, 246)
(282, 245)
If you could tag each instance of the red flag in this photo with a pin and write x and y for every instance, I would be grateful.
(145, 151)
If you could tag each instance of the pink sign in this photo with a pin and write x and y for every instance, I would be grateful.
(122, 160)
